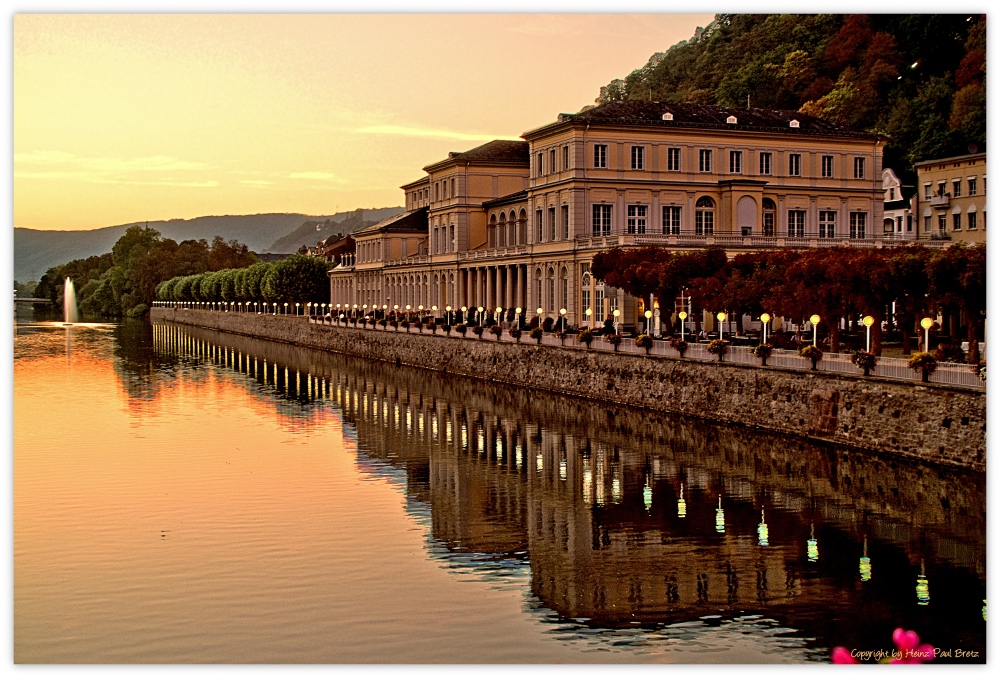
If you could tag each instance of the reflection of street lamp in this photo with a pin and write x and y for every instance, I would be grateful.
(683, 316)
(616, 314)
(765, 320)
(814, 319)
(721, 317)
(868, 321)
(927, 323)
(649, 316)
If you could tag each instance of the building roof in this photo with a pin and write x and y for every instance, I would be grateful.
(414, 221)
(413, 184)
(520, 196)
(497, 152)
(954, 158)
(699, 116)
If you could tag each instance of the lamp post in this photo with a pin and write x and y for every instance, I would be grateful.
(562, 318)
(765, 320)
(683, 316)
(590, 318)
(927, 323)
(649, 320)
(285, 310)
(465, 315)
(448, 310)
(499, 311)
(517, 316)
(616, 314)
(296, 308)
(814, 319)
(721, 317)
(539, 312)
(868, 321)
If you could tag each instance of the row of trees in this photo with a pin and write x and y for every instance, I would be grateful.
(124, 281)
(839, 283)
(296, 279)
(920, 79)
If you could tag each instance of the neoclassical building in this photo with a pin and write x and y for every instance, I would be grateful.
(517, 223)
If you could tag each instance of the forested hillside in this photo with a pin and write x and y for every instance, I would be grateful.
(918, 79)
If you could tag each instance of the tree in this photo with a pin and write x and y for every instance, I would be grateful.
(297, 279)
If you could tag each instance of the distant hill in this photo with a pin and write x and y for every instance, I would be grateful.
(314, 230)
(36, 251)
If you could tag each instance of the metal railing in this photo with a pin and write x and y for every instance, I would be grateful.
(892, 369)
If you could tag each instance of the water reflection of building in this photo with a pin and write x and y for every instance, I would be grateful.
(588, 494)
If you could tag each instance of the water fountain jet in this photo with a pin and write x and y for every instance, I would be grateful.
(69, 303)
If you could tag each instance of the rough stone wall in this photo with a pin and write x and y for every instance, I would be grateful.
(919, 421)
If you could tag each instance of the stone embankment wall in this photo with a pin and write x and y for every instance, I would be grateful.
(918, 421)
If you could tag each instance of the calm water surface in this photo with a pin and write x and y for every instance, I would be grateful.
(182, 495)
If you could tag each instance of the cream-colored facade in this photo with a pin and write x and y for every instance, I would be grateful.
(951, 195)
(517, 224)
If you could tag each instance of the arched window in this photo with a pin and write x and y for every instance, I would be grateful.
(704, 216)
(522, 227)
(512, 229)
(502, 231)
(491, 234)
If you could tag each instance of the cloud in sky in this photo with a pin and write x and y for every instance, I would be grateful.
(318, 176)
(75, 164)
(400, 130)
(257, 182)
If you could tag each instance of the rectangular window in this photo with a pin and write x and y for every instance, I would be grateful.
(735, 162)
(767, 221)
(673, 160)
(705, 160)
(956, 188)
(942, 223)
(796, 223)
(940, 188)
(539, 169)
(552, 223)
(451, 239)
(672, 219)
(636, 219)
(565, 157)
(552, 160)
(859, 168)
(972, 186)
(602, 220)
(858, 222)
(827, 166)
(704, 222)
(765, 163)
(956, 222)
(565, 222)
(927, 224)
(899, 224)
(972, 221)
(794, 165)
(637, 158)
(538, 226)
(909, 223)
(600, 155)
(437, 190)
(927, 191)
(827, 224)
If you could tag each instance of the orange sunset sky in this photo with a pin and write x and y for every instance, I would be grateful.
(123, 118)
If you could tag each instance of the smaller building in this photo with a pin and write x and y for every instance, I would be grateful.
(899, 205)
(952, 198)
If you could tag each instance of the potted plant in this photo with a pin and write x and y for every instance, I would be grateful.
(719, 347)
(613, 339)
(562, 336)
(536, 334)
(763, 351)
(446, 328)
(980, 370)
(383, 322)
(585, 337)
(812, 353)
(394, 324)
(644, 341)
(679, 345)
(461, 328)
(478, 330)
(419, 326)
(516, 333)
(923, 361)
(405, 325)
(496, 331)
(865, 360)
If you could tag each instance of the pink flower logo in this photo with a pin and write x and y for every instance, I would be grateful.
(908, 651)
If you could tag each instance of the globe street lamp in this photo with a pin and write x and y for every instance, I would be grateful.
(465, 316)
(285, 310)
(649, 320)
(480, 309)
(683, 316)
(562, 318)
(616, 314)
(499, 311)
(927, 323)
(721, 317)
(868, 321)
(590, 317)
(539, 312)
(765, 320)
(448, 310)
(517, 316)
(814, 319)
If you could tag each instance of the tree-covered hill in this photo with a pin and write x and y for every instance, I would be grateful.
(918, 79)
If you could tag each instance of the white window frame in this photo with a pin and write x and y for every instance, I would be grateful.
(826, 166)
(795, 164)
(705, 160)
(671, 221)
(736, 162)
(796, 223)
(765, 163)
(636, 218)
(600, 156)
(673, 160)
(601, 223)
(827, 223)
(859, 167)
(859, 225)
(638, 159)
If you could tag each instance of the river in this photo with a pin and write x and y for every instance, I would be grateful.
(182, 495)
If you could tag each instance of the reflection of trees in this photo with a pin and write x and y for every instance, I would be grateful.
(587, 495)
